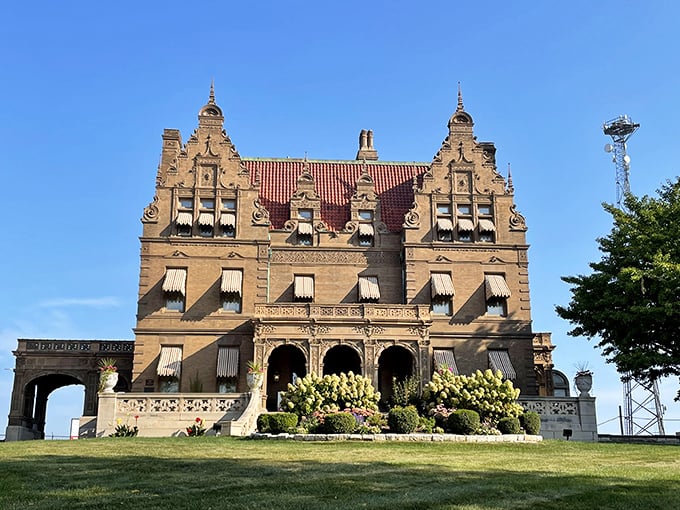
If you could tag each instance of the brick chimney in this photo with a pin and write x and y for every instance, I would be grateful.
(366, 150)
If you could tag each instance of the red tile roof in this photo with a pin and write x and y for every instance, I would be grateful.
(335, 184)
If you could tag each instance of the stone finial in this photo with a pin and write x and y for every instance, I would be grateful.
(460, 107)
(366, 150)
(211, 99)
(511, 188)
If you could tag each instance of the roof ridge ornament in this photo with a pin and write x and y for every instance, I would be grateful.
(511, 188)
(460, 107)
(211, 98)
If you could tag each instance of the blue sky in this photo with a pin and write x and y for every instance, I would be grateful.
(87, 89)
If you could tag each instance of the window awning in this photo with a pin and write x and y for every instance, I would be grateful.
(368, 287)
(486, 226)
(305, 229)
(206, 219)
(304, 287)
(465, 225)
(441, 285)
(444, 225)
(445, 358)
(228, 220)
(366, 229)
(232, 281)
(500, 360)
(170, 362)
(227, 362)
(184, 218)
(496, 286)
(175, 281)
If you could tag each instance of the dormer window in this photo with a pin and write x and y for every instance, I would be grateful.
(304, 228)
(366, 231)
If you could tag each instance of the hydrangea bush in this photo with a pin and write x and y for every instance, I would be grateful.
(485, 392)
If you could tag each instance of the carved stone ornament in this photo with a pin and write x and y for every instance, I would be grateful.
(260, 214)
(422, 331)
(369, 329)
(351, 227)
(320, 226)
(290, 225)
(260, 329)
(412, 217)
(151, 211)
(314, 329)
(381, 228)
(517, 221)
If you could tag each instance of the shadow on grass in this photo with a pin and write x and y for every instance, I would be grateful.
(148, 482)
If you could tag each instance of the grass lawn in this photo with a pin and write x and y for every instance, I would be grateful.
(219, 472)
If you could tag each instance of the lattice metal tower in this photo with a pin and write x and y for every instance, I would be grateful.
(643, 411)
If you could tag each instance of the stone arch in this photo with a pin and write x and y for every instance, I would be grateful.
(396, 361)
(342, 357)
(285, 362)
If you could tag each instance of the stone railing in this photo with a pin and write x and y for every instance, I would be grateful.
(564, 417)
(353, 311)
(77, 345)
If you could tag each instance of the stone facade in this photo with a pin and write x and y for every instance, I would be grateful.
(319, 266)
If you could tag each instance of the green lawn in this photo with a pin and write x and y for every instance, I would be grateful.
(209, 473)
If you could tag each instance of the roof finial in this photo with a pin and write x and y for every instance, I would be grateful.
(460, 99)
(511, 188)
(211, 100)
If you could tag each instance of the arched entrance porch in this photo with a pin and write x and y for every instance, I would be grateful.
(341, 359)
(395, 362)
(285, 363)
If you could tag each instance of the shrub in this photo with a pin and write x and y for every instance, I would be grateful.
(463, 421)
(509, 425)
(263, 423)
(377, 420)
(330, 393)
(406, 392)
(282, 422)
(339, 423)
(426, 425)
(485, 392)
(531, 423)
(403, 420)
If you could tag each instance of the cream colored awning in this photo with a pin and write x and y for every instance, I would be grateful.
(170, 362)
(232, 281)
(175, 281)
(486, 226)
(228, 219)
(441, 285)
(366, 229)
(184, 218)
(465, 225)
(304, 287)
(444, 225)
(500, 360)
(496, 286)
(206, 219)
(305, 229)
(227, 362)
(368, 287)
(445, 358)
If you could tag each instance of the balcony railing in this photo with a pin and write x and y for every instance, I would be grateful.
(338, 312)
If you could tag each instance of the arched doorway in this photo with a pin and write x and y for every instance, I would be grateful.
(35, 398)
(341, 358)
(284, 362)
(395, 362)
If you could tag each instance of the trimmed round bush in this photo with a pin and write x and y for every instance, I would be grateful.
(463, 421)
(403, 420)
(263, 423)
(531, 423)
(339, 423)
(282, 422)
(509, 425)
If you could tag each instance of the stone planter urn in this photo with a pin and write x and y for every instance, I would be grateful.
(107, 381)
(254, 380)
(584, 382)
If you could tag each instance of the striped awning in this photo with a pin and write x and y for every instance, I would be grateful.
(496, 286)
(444, 225)
(184, 218)
(227, 362)
(441, 285)
(232, 281)
(206, 219)
(465, 225)
(368, 287)
(304, 287)
(366, 229)
(500, 360)
(305, 229)
(444, 358)
(486, 226)
(170, 362)
(228, 219)
(175, 281)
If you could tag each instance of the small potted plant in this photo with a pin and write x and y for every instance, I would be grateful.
(255, 376)
(583, 379)
(108, 375)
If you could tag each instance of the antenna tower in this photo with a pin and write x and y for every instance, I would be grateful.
(642, 405)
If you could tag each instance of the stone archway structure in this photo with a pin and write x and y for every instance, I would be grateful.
(43, 366)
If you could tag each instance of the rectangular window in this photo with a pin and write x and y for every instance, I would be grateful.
(174, 288)
(304, 233)
(185, 216)
(444, 223)
(443, 209)
(366, 233)
(303, 288)
(231, 288)
(445, 360)
(207, 203)
(484, 210)
(227, 369)
(441, 290)
(228, 218)
(169, 368)
(499, 359)
(464, 210)
(305, 214)
(366, 215)
(369, 290)
(441, 305)
(497, 293)
(186, 203)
